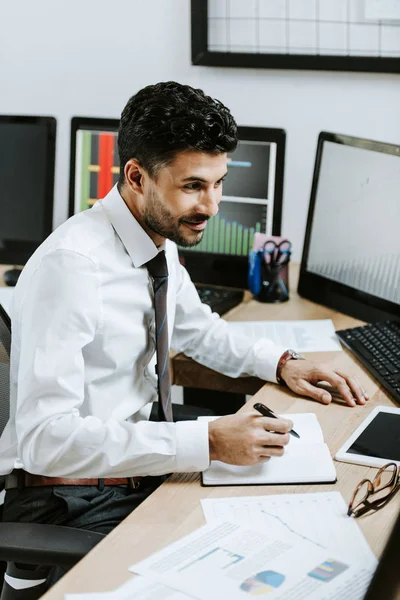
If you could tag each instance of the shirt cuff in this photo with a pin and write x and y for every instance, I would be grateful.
(192, 447)
(266, 358)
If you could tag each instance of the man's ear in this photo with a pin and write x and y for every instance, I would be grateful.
(134, 176)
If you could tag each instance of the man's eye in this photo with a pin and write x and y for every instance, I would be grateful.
(192, 186)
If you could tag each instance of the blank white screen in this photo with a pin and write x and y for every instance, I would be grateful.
(355, 235)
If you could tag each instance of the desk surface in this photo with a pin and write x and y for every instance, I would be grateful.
(174, 509)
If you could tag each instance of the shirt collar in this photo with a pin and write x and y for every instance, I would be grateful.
(138, 244)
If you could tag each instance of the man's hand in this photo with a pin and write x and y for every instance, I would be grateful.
(301, 376)
(247, 438)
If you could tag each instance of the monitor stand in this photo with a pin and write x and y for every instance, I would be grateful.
(11, 276)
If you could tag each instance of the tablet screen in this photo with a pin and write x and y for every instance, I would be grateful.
(380, 439)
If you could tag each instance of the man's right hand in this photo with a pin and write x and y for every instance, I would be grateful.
(247, 438)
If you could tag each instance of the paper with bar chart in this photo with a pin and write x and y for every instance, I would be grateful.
(355, 232)
(96, 166)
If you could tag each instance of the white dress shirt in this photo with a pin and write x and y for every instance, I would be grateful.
(83, 354)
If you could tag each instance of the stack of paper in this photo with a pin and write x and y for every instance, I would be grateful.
(297, 546)
(232, 560)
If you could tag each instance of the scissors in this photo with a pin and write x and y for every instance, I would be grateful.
(276, 254)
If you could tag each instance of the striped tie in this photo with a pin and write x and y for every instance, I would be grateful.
(158, 270)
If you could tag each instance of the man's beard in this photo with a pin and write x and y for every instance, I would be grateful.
(158, 218)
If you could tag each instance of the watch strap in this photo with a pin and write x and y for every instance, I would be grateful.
(286, 356)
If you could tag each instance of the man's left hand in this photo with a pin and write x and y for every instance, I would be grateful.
(302, 376)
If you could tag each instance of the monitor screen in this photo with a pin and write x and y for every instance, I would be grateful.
(247, 201)
(251, 202)
(27, 159)
(352, 245)
(94, 165)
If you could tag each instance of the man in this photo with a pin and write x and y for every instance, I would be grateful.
(83, 375)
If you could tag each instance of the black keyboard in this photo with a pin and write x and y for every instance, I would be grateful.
(220, 300)
(377, 346)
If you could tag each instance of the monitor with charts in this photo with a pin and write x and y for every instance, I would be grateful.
(351, 256)
(252, 194)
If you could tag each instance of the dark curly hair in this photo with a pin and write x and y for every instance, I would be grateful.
(168, 117)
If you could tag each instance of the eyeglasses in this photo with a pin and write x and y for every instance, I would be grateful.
(373, 495)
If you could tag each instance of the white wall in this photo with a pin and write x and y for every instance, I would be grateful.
(87, 57)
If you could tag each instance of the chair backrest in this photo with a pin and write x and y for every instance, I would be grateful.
(5, 349)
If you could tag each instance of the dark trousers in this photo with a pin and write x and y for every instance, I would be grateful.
(84, 507)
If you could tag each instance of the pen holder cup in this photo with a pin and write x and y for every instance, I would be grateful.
(268, 282)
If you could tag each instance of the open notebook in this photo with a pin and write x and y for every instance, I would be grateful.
(306, 460)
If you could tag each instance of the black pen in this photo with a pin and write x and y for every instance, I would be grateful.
(267, 412)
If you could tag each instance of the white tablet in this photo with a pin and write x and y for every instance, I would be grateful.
(376, 441)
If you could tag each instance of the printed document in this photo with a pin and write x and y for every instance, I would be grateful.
(229, 560)
(319, 517)
(303, 336)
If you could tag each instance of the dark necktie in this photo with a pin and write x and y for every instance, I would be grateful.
(158, 270)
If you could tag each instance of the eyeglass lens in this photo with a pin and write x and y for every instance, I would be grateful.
(374, 493)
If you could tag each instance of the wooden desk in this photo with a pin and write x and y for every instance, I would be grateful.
(174, 509)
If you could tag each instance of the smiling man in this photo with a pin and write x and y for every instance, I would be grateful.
(101, 301)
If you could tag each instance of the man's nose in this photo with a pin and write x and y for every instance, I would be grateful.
(210, 200)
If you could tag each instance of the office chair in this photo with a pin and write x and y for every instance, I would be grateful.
(30, 549)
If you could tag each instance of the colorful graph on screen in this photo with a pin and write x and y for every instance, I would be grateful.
(232, 230)
(97, 166)
(243, 211)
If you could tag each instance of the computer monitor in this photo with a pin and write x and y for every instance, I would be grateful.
(251, 202)
(94, 161)
(351, 256)
(27, 162)
(252, 194)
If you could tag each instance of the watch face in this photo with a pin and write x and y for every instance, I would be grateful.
(295, 354)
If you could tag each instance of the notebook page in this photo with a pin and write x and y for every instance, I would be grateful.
(305, 424)
(304, 463)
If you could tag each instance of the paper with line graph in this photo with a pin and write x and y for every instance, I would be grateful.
(235, 561)
(319, 518)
